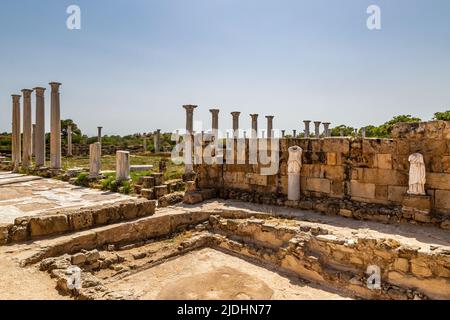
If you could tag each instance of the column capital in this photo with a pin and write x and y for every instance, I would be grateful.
(326, 123)
(158, 131)
(317, 122)
(39, 91)
(270, 117)
(214, 111)
(235, 113)
(26, 93)
(99, 127)
(307, 121)
(55, 85)
(254, 115)
(16, 97)
(189, 107)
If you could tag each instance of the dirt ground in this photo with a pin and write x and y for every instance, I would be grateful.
(211, 274)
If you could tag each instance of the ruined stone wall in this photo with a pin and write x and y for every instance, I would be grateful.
(373, 171)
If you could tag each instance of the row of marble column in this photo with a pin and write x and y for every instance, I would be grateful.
(254, 123)
(33, 142)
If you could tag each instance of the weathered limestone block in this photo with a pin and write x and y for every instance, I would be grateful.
(384, 176)
(442, 200)
(170, 199)
(148, 182)
(362, 190)
(81, 220)
(383, 161)
(148, 193)
(159, 178)
(51, 224)
(252, 179)
(160, 191)
(318, 185)
(438, 181)
(396, 193)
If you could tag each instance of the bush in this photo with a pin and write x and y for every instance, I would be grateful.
(82, 179)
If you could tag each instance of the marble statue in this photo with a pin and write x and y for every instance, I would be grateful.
(416, 174)
(294, 168)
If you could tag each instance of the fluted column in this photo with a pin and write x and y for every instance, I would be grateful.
(269, 126)
(307, 132)
(317, 129)
(39, 140)
(235, 116)
(16, 141)
(99, 134)
(294, 133)
(69, 140)
(27, 133)
(55, 127)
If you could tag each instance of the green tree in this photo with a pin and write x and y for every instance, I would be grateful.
(442, 115)
(384, 131)
(348, 131)
(76, 132)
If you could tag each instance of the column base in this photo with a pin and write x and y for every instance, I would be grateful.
(417, 207)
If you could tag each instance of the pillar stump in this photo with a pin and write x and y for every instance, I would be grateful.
(122, 165)
(95, 155)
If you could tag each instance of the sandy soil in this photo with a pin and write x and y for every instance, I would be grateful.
(211, 274)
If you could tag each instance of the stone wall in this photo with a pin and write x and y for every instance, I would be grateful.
(348, 171)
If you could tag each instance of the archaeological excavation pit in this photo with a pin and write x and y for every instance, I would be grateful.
(229, 250)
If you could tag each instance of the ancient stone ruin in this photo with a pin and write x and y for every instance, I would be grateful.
(307, 216)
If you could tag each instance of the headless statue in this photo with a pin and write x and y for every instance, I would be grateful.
(416, 174)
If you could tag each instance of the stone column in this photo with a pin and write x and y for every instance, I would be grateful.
(294, 133)
(69, 141)
(27, 133)
(283, 133)
(326, 129)
(254, 126)
(235, 116)
(269, 126)
(144, 144)
(341, 132)
(55, 128)
(189, 117)
(294, 169)
(215, 122)
(16, 141)
(95, 155)
(363, 132)
(122, 165)
(317, 129)
(156, 140)
(99, 134)
(40, 128)
(307, 133)
(188, 150)
(33, 140)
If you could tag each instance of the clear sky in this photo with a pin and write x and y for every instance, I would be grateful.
(134, 63)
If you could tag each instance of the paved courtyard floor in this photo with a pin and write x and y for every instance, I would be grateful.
(23, 195)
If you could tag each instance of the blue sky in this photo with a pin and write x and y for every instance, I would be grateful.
(134, 63)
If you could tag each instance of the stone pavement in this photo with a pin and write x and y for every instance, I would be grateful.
(22, 195)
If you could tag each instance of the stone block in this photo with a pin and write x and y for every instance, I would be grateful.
(384, 176)
(419, 202)
(159, 178)
(160, 191)
(437, 181)
(256, 179)
(148, 193)
(442, 199)
(383, 161)
(81, 219)
(446, 164)
(318, 185)
(192, 197)
(331, 158)
(401, 264)
(51, 224)
(396, 193)
(346, 213)
(381, 192)
(362, 190)
(148, 182)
